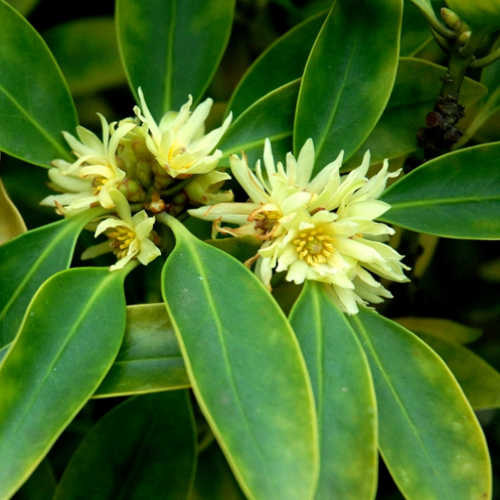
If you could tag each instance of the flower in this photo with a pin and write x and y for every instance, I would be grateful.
(322, 229)
(179, 143)
(205, 189)
(128, 236)
(89, 179)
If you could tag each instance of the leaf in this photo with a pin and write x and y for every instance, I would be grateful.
(149, 359)
(429, 436)
(34, 98)
(214, 480)
(241, 248)
(69, 337)
(245, 368)
(184, 42)
(415, 32)
(425, 7)
(348, 77)
(44, 251)
(444, 329)
(345, 398)
(40, 486)
(87, 52)
(479, 380)
(145, 448)
(281, 63)
(270, 117)
(417, 86)
(456, 195)
(24, 7)
(11, 222)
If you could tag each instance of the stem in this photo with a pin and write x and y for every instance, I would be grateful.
(486, 60)
(437, 26)
(176, 187)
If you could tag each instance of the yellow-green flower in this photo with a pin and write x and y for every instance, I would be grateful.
(129, 237)
(179, 142)
(90, 178)
(322, 229)
(206, 189)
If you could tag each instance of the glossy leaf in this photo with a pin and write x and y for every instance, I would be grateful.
(425, 7)
(149, 359)
(415, 32)
(11, 222)
(413, 96)
(145, 448)
(184, 42)
(444, 329)
(429, 436)
(70, 335)
(348, 77)
(241, 248)
(214, 479)
(345, 398)
(87, 52)
(270, 117)
(35, 103)
(281, 63)
(40, 486)
(45, 251)
(456, 195)
(246, 369)
(479, 380)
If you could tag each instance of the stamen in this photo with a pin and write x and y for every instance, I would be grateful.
(314, 247)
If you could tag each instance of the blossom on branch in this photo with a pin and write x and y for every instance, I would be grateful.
(179, 142)
(322, 229)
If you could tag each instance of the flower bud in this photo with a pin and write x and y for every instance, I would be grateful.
(480, 15)
(452, 20)
(132, 190)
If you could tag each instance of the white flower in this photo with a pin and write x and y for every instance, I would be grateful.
(128, 236)
(89, 179)
(321, 229)
(179, 143)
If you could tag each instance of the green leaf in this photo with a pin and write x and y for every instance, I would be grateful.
(40, 486)
(345, 398)
(184, 42)
(281, 63)
(348, 77)
(28, 260)
(145, 448)
(415, 32)
(417, 86)
(149, 359)
(429, 436)
(241, 248)
(87, 52)
(214, 479)
(444, 329)
(34, 99)
(68, 340)
(270, 117)
(246, 369)
(456, 195)
(479, 380)
(425, 7)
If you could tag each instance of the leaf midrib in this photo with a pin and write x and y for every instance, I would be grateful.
(35, 123)
(440, 201)
(369, 345)
(61, 350)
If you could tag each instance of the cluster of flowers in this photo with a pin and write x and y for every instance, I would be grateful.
(321, 229)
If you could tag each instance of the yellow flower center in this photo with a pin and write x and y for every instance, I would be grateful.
(121, 238)
(314, 247)
(265, 222)
(97, 183)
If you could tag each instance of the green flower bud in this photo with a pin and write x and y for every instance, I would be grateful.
(480, 15)
(132, 190)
